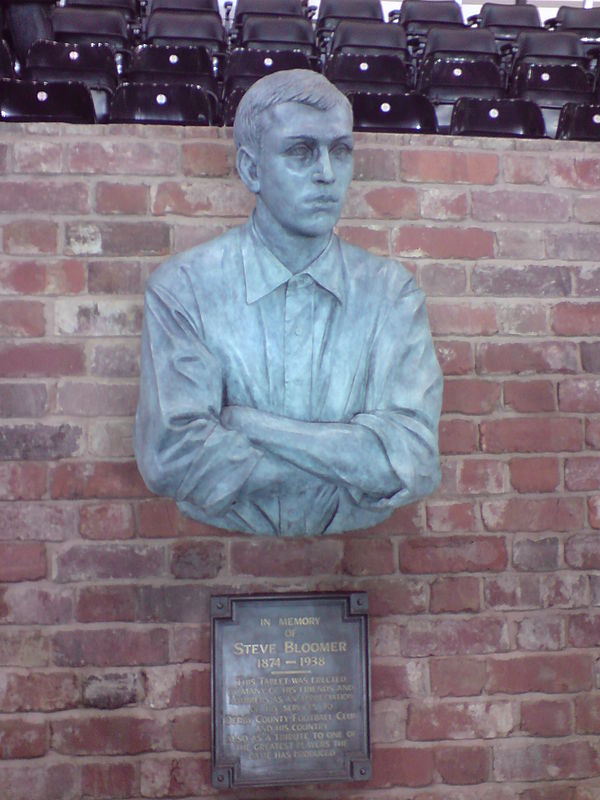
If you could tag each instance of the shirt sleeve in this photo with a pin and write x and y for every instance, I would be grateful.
(404, 397)
(181, 448)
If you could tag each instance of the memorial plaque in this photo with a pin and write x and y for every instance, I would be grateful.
(290, 689)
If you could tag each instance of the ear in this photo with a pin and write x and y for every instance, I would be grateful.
(247, 168)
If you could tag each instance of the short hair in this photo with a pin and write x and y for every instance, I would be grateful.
(285, 86)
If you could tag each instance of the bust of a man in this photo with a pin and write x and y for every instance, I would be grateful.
(289, 384)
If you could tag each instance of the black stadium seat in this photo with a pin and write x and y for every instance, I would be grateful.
(504, 117)
(156, 103)
(6, 65)
(278, 33)
(40, 101)
(87, 25)
(580, 122)
(507, 21)
(393, 113)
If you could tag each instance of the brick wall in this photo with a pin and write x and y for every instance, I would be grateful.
(485, 600)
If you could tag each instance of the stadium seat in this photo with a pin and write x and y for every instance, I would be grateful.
(245, 67)
(418, 16)
(88, 25)
(585, 22)
(503, 117)
(393, 113)
(160, 103)
(369, 38)
(190, 6)
(353, 73)
(579, 121)
(6, 65)
(278, 33)
(91, 64)
(332, 12)
(188, 29)
(40, 101)
(507, 21)
(128, 7)
(266, 8)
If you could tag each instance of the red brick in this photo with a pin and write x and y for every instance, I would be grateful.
(454, 595)
(399, 595)
(28, 604)
(443, 279)
(107, 604)
(592, 433)
(523, 168)
(198, 198)
(375, 163)
(26, 481)
(22, 318)
(39, 691)
(23, 399)
(515, 243)
(402, 766)
(109, 735)
(590, 356)
(395, 681)
(468, 396)
(21, 739)
(22, 277)
(371, 237)
(94, 399)
(546, 717)
(524, 319)
(457, 676)
(175, 777)
(191, 643)
(285, 558)
(115, 277)
(444, 203)
(510, 591)
(576, 319)
(456, 358)
(157, 518)
(449, 166)
(533, 514)
(587, 281)
(111, 647)
(463, 765)
(101, 780)
(582, 552)
(41, 360)
(550, 673)
(203, 230)
(443, 242)
(449, 517)
(208, 159)
(462, 317)
(117, 238)
(480, 476)
(579, 394)
(510, 205)
(112, 690)
(540, 633)
(539, 761)
(46, 782)
(457, 436)
(172, 687)
(391, 202)
(121, 198)
(576, 172)
(584, 630)
(118, 360)
(117, 156)
(586, 208)
(102, 480)
(564, 590)
(534, 474)
(83, 562)
(104, 317)
(22, 562)
(514, 358)
(39, 442)
(368, 557)
(174, 603)
(24, 648)
(30, 196)
(107, 521)
(197, 559)
(568, 245)
(530, 396)
(475, 719)
(587, 714)
(582, 473)
(452, 554)
(191, 731)
(594, 512)
(53, 522)
(23, 237)
(32, 156)
(110, 438)
(523, 435)
(450, 637)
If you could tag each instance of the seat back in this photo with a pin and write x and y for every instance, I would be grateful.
(267, 8)
(127, 7)
(193, 6)
(6, 65)
(398, 113)
(160, 103)
(86, 25)
(205, 30)
(497, 117)
(368, 36)
(368, 73)
(550, 47)
(579, 121)
(277, 33)
(332, 12)
(467, 42)
(152, 62)
(40, 101)
(583, 21)
(507, 21)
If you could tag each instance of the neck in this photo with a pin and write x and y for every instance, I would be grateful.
(294, 250)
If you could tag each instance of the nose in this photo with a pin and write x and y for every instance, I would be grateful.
(324, 172)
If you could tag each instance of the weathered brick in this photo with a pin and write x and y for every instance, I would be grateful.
(22, 318)
(83, 562)
(584, 630)
(454, 595)
(22, 277)
(107, 521)
(39, 442)
(118, 360)
(285, 558)
(375, 163)
(452, 554)
(110, 735)
(516, 243)
(530, 396)
(534, 474)
(111, 647)
(579, 394)
(25, 649)
(541, 761)
(469, 396)
(576, 172)
(520, 318)
(450, 517)
(550, 673)
(400, 680)
(31, 156)
(510, 591)
(208, 159)
(594, 512)
(388, 720)
(471, 476)
(115, 277)
(101, 480)
(533, 514)
(464, 765)
(458, 436)
(191, 730)
(582, 473)
(443, 242)
(174, 777)
(23, 399)
(22, 237)
(463, 318)
(533, 280)
(576, 319)
(449, 637)
(368, 557)
(22, 561)
(49, 781)
(457, 676)
(523, 168)
(22, 739)
(191, 199)
(29, 604)
(582, 551)
(443, 203)
(111, 603)
(33, 195)
(173, 603)
(39, 691)
(41, 360)
(523, 435)
(510, 205)
(121, 198)
(157, 518)
(587, 283)
(590, 356)
(117, 156)
(110, 438)
(371, 237)
(197, 559)
(93, 399)
(402, 766)
(540, 633)
(546, 717)
(456, 358)
(449, 166)
(175, 686)
(382, 202)
(112, 690)
(537, 554)
(103, 780)
(91, 238)
(564, 590)
(587, 714)
(443, 279)
(114, 317)
(526, 357)
(191, 643)
(397, 595)
(25, 481)
(474, 719)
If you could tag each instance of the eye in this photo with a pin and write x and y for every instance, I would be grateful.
(301, 151)
(341, 150)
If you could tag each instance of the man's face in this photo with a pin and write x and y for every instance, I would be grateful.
(304, 166)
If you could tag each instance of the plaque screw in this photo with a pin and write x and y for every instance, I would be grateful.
(220, 778)
(363, 771)
(220, 605)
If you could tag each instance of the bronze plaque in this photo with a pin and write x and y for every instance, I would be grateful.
(290, 689)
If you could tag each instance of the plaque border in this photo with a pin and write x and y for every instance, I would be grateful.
(357, 604)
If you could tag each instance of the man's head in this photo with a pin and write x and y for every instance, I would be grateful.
(293, 132)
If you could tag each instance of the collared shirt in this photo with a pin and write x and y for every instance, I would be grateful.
(344, 340)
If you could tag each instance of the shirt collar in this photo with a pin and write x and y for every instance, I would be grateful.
(264, 272)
